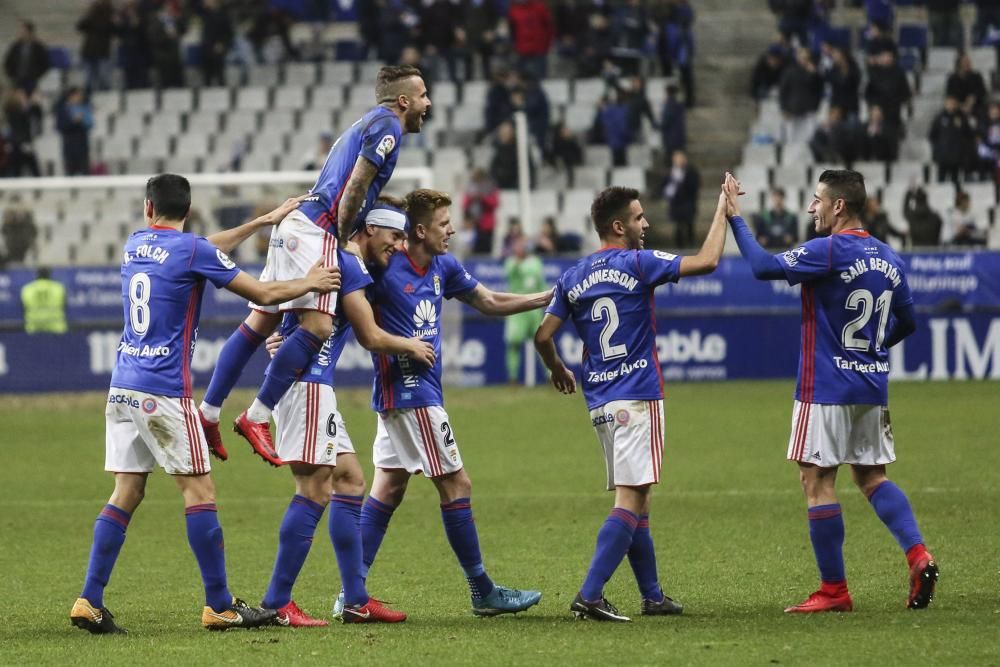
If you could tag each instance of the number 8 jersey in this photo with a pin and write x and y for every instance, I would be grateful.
(609, 297)
(851, 283)
(163, 279)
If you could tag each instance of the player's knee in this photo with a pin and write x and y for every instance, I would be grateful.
(262, 323)
(349, 485)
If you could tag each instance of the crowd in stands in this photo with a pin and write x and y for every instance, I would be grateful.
(813, 67)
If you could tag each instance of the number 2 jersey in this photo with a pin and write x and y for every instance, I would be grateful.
(374, 136)
(609, 298)
(407, 301)
(353, 276)
(163, 279)
(851, 282)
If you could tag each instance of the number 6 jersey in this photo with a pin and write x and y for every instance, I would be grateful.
(163, 279)
(851, 283)
(609, 297)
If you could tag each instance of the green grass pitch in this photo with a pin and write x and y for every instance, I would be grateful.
(728, 521)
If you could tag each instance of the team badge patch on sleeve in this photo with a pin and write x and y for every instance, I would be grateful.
(386, 145)
(224, 259)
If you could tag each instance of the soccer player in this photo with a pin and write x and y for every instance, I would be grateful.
(855, 305)
(359, 164)
(312, 438)
(414, 434)
(609, 297)
(150, 415)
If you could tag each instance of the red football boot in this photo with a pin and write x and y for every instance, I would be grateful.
(291, 616)
(259, 437)
(923, 576)
(824, 600)
(214, 437)
(372, 611)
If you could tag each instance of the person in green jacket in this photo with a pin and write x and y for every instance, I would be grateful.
(44, 302)
(524, 276)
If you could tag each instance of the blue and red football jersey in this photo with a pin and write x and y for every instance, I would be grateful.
(851, 282)
(375, 136)
(609, 298)
(407, 302)
(353, 277)
(163, 279)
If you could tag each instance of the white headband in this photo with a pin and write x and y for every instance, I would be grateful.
(386, 217)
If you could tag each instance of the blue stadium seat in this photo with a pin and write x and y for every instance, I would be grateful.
(348, 50)
(912, 44)
(60, 57)
(192, 55)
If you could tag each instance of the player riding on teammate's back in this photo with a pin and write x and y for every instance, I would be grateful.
(358, 166)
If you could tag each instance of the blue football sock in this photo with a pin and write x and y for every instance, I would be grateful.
(345, 533)
(642, 558)
(613, 542)
(205, 537)
(109, 536)
(375, 516)
(233, 358)
(291, 359)
(460, 528)
(295, 537)
(826, 530)
(893, 508)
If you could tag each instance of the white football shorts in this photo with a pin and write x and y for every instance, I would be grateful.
(416, 440)
(145, 430)
(297, 243)
(631, 435)
(830, 435)
(308, 426)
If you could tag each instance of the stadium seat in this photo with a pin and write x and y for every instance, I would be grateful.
(913, 38)
(588, 92)
(797, 153)
(755, 177)
(279, 120)
(544, 204)
(205, 122)
(597, 155)
(300, 75)
(444, 94)
(557, 90)
(941, 59)
(906, 172)
(242, 121)
(473, 94)
(116, 147)
(367, 72)
(640, 155)
(631, 177)
(411, 156)
(332, 73)
(759, 154)
(327, 98)
(167, 122)
(153, 145)
(592, 178)
(140, 101)
(60, 58)
(873, 173)
(214, 99)
(264, 75)
(176, 100)
(129, 124)
(106, 100)
(578, 118)
(253, 99)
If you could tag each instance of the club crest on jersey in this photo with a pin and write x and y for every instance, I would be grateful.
(385, 145)
(224, 259)
(623, 417)
(409, 289)
(149, 405)
(292, 244)
(437, 285)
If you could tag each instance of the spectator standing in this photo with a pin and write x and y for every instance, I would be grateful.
(482, 197)
(612, 124)
(767, 72)
(135, 54)
(566, 150)
(944, 22)
(888, 88)
(925, 224)
(551, 242)
(595, 51)
(629, 23)
(880, 140)
(843, 76)
(572, 23)
(503, 166)
(166, 28)
(835, 141)
(27, 59)
(967, 86)
(498, 107)
(477, 35)
(217, 36)
(19, 232)
(639, 107)
(439, 26)
(673, 123)
(316, 157)
(44, 303)
(529, 96)
(799, 96)
(74, 121)
(24, 123)
(676, 46)
(368, 26)
(961, 228)
(525, 275)
(877, 222)
(532, 32)
(681, 192)
(776, 227)
(98, 26)
(989, 143)
(953, 141)
(793, 18)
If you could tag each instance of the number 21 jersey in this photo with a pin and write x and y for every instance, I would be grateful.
(851, 282)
